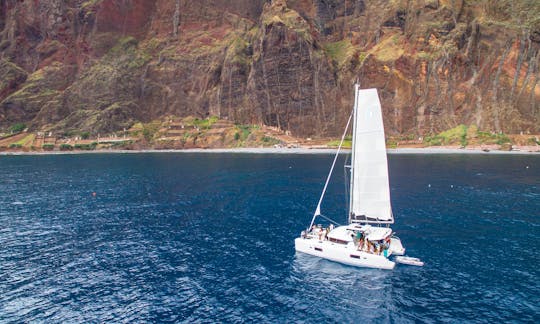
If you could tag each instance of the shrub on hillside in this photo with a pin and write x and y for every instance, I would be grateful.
(47, 147)
(66, 147)
(86, 147)
(17, 128)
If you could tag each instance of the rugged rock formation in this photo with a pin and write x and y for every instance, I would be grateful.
(102, 65)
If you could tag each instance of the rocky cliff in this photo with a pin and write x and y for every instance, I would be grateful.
(103, 65)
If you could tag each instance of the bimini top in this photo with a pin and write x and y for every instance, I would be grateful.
(372, 233)
(342, 234)
(347, 233)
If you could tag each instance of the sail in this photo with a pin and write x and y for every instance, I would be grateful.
(370, 193)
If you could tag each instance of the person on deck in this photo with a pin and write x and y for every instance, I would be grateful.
(361, 244)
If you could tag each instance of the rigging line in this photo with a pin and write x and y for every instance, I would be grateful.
(318, 210)
(329, 219)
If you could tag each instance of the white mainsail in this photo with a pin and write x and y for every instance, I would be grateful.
(370, 193)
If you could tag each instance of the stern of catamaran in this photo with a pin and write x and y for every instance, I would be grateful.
(396, 247)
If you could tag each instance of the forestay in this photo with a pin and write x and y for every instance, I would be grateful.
(370, 194)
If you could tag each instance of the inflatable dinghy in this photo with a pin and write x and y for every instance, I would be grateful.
(409, 261)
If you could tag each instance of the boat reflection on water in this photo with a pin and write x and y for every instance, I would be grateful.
(365, 292)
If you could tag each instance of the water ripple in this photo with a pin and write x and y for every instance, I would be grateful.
(203, 238)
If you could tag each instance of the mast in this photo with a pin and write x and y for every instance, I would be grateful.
(353, 155)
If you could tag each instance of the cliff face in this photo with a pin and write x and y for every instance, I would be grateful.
(102, 65)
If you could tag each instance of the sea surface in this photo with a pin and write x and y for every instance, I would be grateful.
(202, 237)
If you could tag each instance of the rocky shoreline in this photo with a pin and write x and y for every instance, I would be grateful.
(297, 150)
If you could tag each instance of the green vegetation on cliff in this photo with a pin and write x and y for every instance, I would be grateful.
(149, 130)
(202, 123)
(26, 141)
(340, 52)
(66, 147)
(17, 128)
(455, 135)
(523, 14)
(347, 143)
(464, 135)
(85, 147)
(243, 132)
(12, 75)
(47, 147)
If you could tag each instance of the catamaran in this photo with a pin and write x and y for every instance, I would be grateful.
(367, 240)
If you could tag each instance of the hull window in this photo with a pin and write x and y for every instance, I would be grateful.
(331, 239)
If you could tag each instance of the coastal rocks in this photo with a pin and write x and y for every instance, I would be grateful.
(41, 87)
(126, 18)
(291, 83)
(102, 98)
(12, 77)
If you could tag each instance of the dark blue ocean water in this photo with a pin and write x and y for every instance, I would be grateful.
(209, 237)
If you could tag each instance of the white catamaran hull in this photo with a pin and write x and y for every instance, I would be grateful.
(346, 254)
